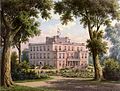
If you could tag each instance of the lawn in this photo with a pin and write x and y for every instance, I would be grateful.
(25, 88)
(34, 80)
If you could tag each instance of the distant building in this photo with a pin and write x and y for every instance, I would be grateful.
(59, 52)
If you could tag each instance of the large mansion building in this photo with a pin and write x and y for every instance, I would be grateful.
(59, 52)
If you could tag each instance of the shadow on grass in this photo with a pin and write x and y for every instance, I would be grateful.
(83, 85)
(34, 80)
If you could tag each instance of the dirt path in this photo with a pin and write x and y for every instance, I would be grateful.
(73, 84)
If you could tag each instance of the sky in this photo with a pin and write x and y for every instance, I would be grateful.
(74, 30)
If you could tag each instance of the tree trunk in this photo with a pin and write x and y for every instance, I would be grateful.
(97, 67)
(18, 46)
(6, 79)
(19, 49)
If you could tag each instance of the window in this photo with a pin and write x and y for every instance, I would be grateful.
(40, 48)
(31, 56)
(37, 56)
(40, 55)
(44, 48)
(59, 55)
(72, 48)
(48, 48)
(63, 55)
(48, 55)
(44, 55)
(59, 64)
(59, 48)
(33, 48)
(82, 55)
(68, 48)
(37, 48)
(85, 55)
(65, 48)
(34, 56)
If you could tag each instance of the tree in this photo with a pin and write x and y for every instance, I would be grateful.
(111, 69)
(113, 35)
(25, 55)
(16, 15)
(24, 34)
(92, 14)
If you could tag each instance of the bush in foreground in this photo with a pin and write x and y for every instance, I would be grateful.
(111, 69)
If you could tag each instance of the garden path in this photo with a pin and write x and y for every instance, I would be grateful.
(74, 84)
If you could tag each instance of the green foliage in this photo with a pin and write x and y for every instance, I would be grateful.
(25, 88)
(113, 35)
(92, 14)
(20, 71)
(97, 16)
(14, 57)
(25, 55)
(97, 44)
(77, 73)
(47, 67)
(111, 69)
(51, 73)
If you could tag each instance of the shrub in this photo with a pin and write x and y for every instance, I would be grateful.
(47, 67)
(77, 73)
(111, 69)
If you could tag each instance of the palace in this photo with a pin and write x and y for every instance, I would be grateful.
(59, 52)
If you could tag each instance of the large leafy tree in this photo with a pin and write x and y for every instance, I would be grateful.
(92, 14)
(23, 35)
(17, 15)
(113, 35)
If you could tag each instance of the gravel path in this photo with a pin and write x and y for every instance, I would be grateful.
(73, 84)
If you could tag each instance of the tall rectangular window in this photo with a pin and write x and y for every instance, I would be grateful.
(59, 55)
(48, 48)
(44, 55)
(31, 56)
(59, 48)
(40, 55)
(37, 48)
(33, 48)
(63, 55)
(48, 55)
(34, 56)
(40, 48)
(86, 55)
(44, 48)
(72, 48)
(68, 48)
(82, 55)
(65, 48)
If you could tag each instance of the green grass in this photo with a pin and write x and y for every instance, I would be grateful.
(25, 88)
(33, 80)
